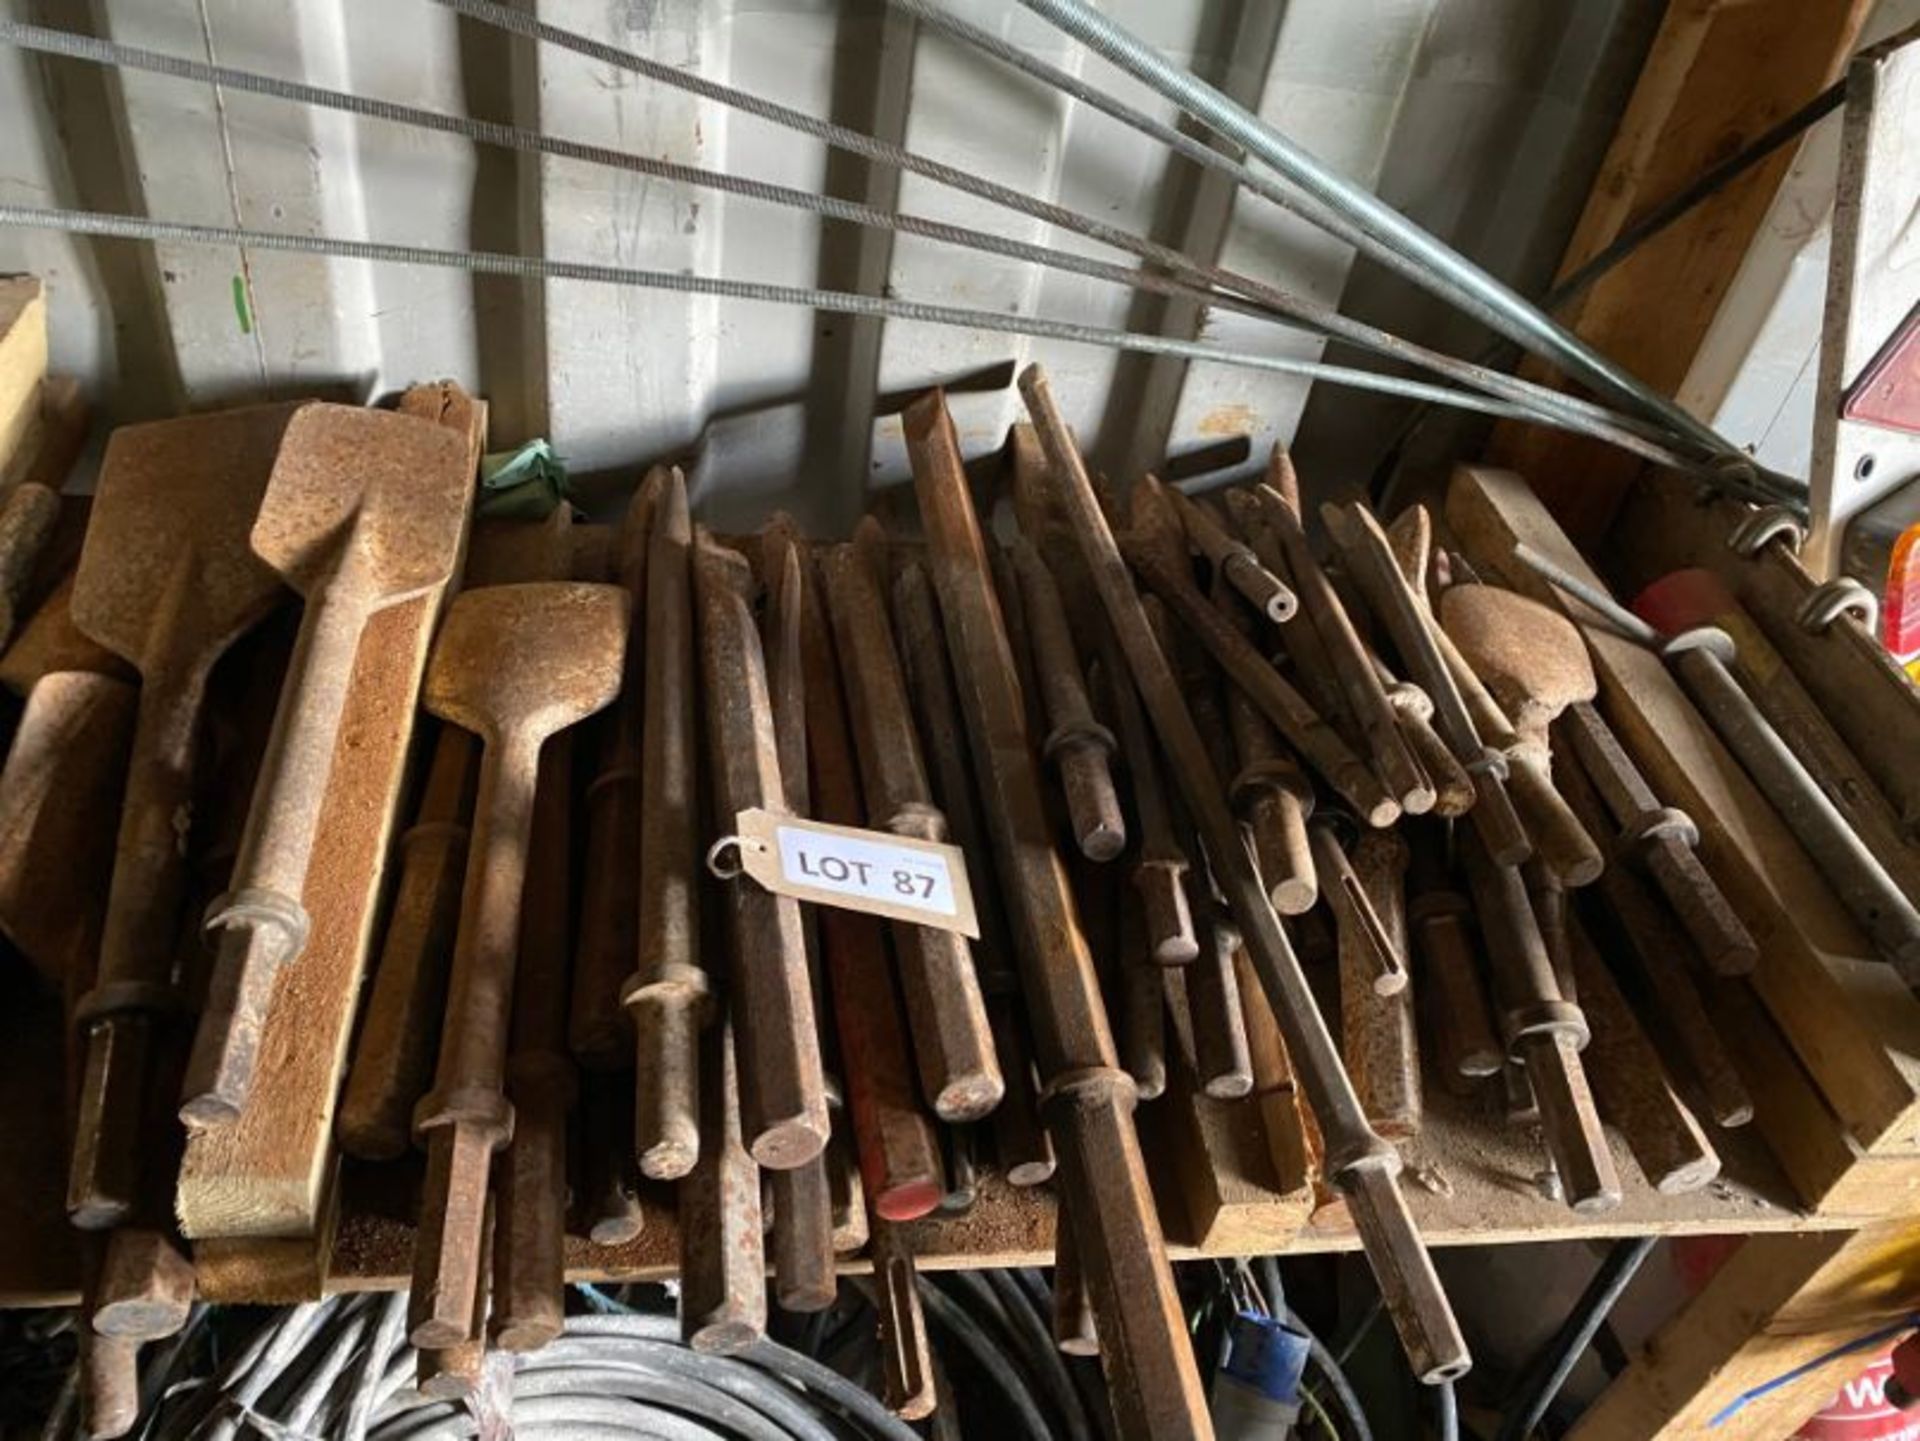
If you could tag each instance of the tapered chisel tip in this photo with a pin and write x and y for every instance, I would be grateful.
(226, 1050)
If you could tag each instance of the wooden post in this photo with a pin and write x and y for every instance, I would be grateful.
(23, 370)
(1717, 76)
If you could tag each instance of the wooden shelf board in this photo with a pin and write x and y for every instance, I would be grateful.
(1487, 1166)
(1478, 1190)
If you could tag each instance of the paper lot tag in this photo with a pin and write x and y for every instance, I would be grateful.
(885, 875)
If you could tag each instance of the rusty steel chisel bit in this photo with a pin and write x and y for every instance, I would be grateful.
(1543, 1030)
(1669, 977)
(530, 1200)
(1453, 793)
(667, 994)
(393, 1059)
(364, 509)
(1233, 561)
(1359, 1161)
(1380, 955)
(783, 1088)
(846, 1192)
(906, 1354)
(723, 1264)
(598, 1029)
(1310, 664)
(515, 664)
(1550, 826)
(1159, 867)
(1529, 663)
(1142, 1004)
(1404, 618)
(1661, 840)
(801, 1197)
(610, 1211)
(1074, 1331)
(1316, 742)
(952, 1042)
(1025, 1153)
(1440, 918)
(936, 714)
(1216, 1020)
(166, 581)
(454, 1372)
(394, 1055)
(894, 1138)
(1378, 1037)
(1076, 744)
(1360, 688)
(1088, 1101)
(1270, 793)
(1221, 1061)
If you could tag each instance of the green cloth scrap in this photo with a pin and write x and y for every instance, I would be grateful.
(523, 484)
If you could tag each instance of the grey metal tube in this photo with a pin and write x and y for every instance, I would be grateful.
(281, 1343)
(349, 1327)
(1447, 273)
(388, 1334)
(1607, 424)
(1871, 896)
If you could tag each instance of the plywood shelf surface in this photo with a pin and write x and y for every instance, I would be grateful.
(1470, 1181)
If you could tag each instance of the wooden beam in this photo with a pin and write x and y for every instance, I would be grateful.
(1778, 1303)
(1717, 76)
(1470, 1181)
(267, 1174)
(1849, 1020)
(1220, 1177)
(39, 1250)
(23, 370)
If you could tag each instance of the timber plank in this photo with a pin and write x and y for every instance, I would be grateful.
(1221, 1191)
(1718, 75)
(1778, 1303)
(23, 371)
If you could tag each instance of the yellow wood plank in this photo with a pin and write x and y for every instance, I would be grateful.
(23, 370)
(1778, 1303)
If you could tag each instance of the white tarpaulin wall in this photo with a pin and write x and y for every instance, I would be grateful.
(1483, 118)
